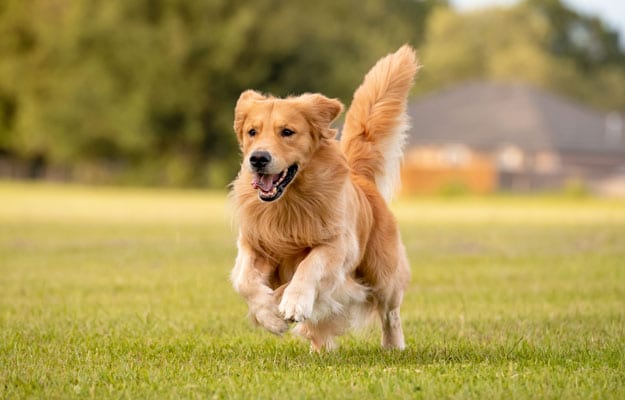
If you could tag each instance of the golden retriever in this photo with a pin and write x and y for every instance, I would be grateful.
(317, 243)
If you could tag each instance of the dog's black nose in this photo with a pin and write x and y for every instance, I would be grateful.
(259, 159)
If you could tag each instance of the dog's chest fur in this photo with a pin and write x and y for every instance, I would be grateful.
(287, 229)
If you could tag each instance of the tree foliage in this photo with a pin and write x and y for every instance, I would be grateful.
(539, 42)
(146, 88)
(142, 91)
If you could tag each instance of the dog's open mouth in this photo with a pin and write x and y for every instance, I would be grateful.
(271, 186)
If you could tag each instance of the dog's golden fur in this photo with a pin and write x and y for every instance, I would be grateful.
(319, 246)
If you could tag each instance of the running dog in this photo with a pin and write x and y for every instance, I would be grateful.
(317, 243)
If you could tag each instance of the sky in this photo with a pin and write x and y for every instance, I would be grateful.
(610, 11)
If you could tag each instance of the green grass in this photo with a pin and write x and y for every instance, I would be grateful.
(121, 293)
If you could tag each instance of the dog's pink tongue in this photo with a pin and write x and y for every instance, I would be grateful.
(263, 181)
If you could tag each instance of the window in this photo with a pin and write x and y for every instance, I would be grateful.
(455, 155)
(546, 162)
(511, 158)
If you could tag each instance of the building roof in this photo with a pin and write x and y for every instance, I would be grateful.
(488, 115)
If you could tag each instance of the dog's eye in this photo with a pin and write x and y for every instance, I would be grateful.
(286, 132)
(252, 132)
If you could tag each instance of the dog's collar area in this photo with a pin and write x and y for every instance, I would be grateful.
(271, 186)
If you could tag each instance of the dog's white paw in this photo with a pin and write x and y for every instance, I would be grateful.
(297, 303)
(269, 319)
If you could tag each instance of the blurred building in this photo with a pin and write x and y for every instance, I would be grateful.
(483, 137)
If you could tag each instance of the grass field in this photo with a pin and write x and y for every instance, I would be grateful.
(124, 293)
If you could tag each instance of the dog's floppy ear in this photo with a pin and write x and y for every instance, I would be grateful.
(242, 108)
(321, 112)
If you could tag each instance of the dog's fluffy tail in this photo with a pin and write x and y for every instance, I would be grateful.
(376, 122)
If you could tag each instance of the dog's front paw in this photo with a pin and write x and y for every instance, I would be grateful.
(297, 303)
(269, 319)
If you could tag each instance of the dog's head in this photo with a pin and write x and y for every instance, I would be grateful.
(279, 136)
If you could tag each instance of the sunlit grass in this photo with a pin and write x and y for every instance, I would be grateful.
(109, 292)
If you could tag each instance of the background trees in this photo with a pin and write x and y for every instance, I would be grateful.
(539, 41)
(143, 91)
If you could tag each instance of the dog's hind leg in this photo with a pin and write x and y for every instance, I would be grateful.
(388, 307)
(392, 333)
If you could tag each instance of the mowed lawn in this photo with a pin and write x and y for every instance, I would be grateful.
(124, 293)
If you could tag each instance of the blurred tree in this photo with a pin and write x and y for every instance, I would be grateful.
(540, 42)
(144, 90)
(586, 39)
